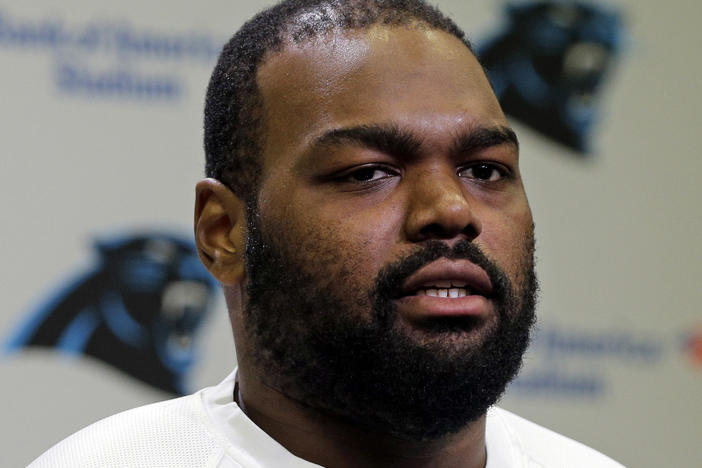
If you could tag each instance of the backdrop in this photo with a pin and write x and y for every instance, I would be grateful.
(101, 124)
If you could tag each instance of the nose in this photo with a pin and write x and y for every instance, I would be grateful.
(439, 207)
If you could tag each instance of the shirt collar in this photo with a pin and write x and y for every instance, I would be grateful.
(246, 440)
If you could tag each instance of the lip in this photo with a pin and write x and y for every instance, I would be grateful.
(477, 281)
(475, 278)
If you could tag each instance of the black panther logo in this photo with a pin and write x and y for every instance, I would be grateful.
(138, 310)
(547, 67)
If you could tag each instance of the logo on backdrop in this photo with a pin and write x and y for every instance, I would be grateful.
(111, 58)
(548, 65)
(138, 309)
(576, 362)
(692, 346)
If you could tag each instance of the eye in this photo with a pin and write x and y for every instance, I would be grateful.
(367, 174)
(483, 171)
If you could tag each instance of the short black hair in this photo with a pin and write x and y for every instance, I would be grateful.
(234, 105)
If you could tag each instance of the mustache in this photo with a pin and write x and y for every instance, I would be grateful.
(391, 277)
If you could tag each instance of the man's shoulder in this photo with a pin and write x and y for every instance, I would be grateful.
(168, 433)
(540, 447)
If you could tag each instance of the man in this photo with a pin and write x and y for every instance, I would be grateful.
(366, 218)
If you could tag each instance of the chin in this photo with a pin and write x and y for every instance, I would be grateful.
(450, 335)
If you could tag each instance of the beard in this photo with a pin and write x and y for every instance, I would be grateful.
(344, 351)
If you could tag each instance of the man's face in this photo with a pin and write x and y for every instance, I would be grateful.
(389, 178)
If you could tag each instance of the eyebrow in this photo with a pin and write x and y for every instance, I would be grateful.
(388, 139)
(482, 138)
(391, 139)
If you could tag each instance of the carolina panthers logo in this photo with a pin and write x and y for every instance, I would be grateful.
(138, 310)
(548, 65)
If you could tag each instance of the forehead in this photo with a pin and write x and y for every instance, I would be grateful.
(417, 78)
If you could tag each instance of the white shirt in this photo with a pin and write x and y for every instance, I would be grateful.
(208, 429)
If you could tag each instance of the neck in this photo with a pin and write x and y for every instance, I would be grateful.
(328, 441)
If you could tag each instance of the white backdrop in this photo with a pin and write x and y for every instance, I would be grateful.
(618, 233)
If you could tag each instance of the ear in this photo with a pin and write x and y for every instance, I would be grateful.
(220, 231)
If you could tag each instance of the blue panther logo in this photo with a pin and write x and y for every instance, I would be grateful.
(548, 66)
(138, 309)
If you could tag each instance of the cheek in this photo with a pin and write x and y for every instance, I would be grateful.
(360, 244)
(508, 239)
(332, 248)
(347, 251)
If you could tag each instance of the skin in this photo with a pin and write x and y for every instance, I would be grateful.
(429, 85)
